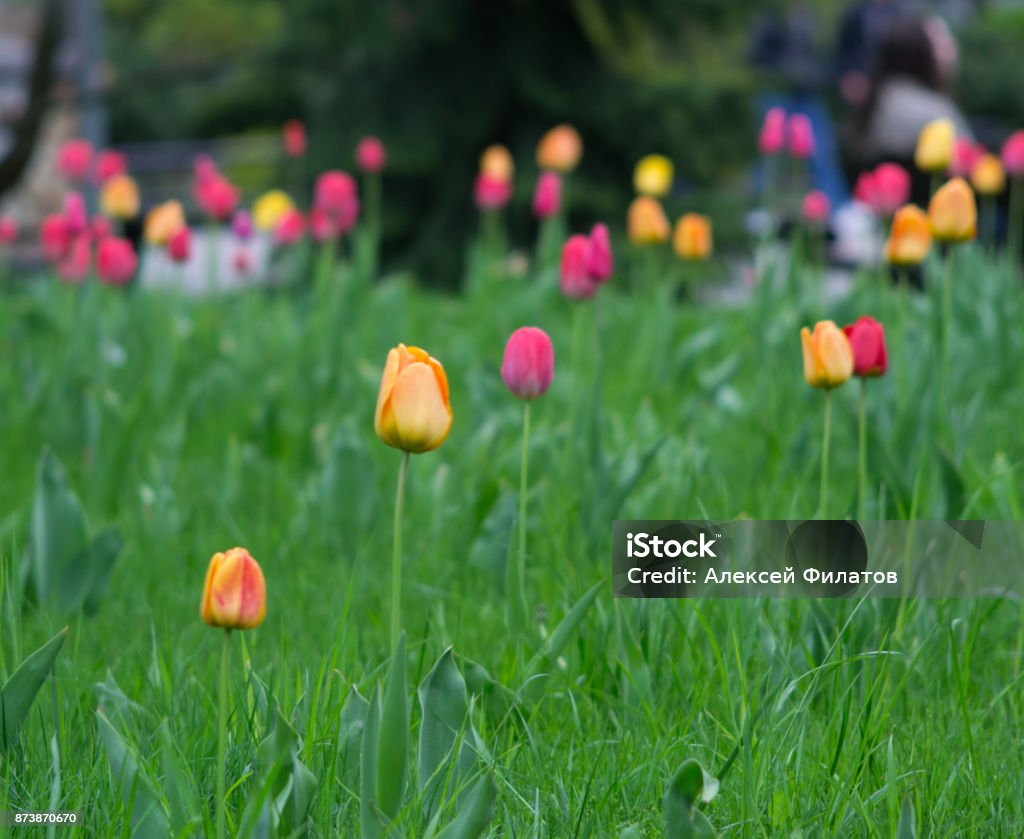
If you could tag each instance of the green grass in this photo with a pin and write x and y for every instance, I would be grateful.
(197, 425)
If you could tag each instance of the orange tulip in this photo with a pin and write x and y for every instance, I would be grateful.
(497, 163)
(953, 212)
(910, 237)
(692, 237)
(828, 356)
(646, 223)
(413, 409)
(235, 594)
(934, 150)
(987, 175)
(119, 197)
(560, 149)
(163, 221)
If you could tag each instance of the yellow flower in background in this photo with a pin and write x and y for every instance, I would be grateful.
(934, 150)
(828, 356)
(646, 223)
(692, 237)
(560, 149)
(953, 212)
(119, 197)
(496, 162)
(270, 208)
(413, 408)
(163, 221)
(987, 175)
(910, 237)
(235, 594)
(653, 175)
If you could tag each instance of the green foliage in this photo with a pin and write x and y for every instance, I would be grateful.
(18, 692)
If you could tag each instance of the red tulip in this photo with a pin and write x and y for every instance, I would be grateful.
(529, 362)
(204, 170)
(100, 227)
(75, 213)
(54, 237)
(547, 196)
(815, 208)
(115, 260)
(179, 245)
(885, 189)
(1013, 154)
(109, 164)
(74, 158)
(73, 266)
(371, 156)
(491, 192)
(322, 225)
(217, 196)
(773, 132)
(600, 262)
(294, 136)
(8, 230)
(574, 278)
(337, 196)
(867, 339)
(800, 136)
(290, 228)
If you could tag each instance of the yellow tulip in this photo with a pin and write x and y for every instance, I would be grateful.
(910, 237)
(934, 150)
(653, 176)
(270, 208)
(235, 594)
(497, 163)
(560, 149)
(646, 223)
(119, 197)
(413, 409)
(163, 221)
(828, 356)
(692, 237)
(953, 212)
(987, 175)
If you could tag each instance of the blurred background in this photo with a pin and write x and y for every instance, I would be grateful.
(439, 80)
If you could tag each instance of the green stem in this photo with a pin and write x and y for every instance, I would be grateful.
(823, 492)
(396, 557)
(862, 452)
(222, 735)
(373, 215)
(524, 461)
(1016, 219)
(947, 318)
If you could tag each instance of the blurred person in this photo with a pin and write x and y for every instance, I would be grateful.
(863, 28)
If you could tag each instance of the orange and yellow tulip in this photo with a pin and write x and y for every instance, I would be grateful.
(953, 212)
(934, 150)
(910, 238)
(496, 162)
(646, 223)
(414, 412)
(119, 197)
(163, 221)
(828, 356)
(692, 237)
(235, 594)
(987, 175)
(560, 149)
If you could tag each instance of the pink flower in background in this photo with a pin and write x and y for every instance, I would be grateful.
(241, 261)
(772, 138)
(109, 164)
(491, 192)
(294, 136)
(600, 263)
(8, 230)
(54, 237)
(816, 208)
(322, 225)
(528, 366)
(217, 197)
(884, 189)
(547, 196)
(74, 159)
(115, 260)
(242, 226)
(800, 136)
(100, 226)
(75, 213)
(179, 246)
(290, 228)
(73, 266)
(203, 169)
(573, 277)
(371, 156)
(965, 154)
(1013, 154)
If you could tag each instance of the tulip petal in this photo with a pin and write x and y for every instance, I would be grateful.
(387, 384)
(422, 415)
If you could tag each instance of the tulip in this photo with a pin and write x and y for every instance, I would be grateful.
(953, 213)
(270, 207)
(8, 230)
(965, 155)
(74, 158)
(75, 213)
(334, 191)
(547, 197)
(800, 137)
(179, 246)
(910, 237)
(322, 226)
(692, 237)
(653, 176)
(162, 222)
(491, 192)
(217, 197)
(885, 189)
(987, 175)
(646, 223)
(371, 156)
(100, 227)
(934, 151)
(54, 237)
(290, 228)
(294, 136)
(242, 226)
(574, 278)
(110, 164)
(204, 170)
(867, 340)
(1013, 154)
(560, 149)
(600, 262)
(1013, 162)
(119, 197)
(773, 132)
(73, 266)
(115, 260)
(815, 209)
(496, 162)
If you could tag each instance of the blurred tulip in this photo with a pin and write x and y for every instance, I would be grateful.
(828, 356)
(294, 136)
(574, 278)
(241, 225)
(490, 192)
(290, 228)
(8, 230)
(241, 261)
(235, 593)
(910, 238)
(884, 189)
(270, 207)
(772, 138)
(692, 237)
(600, 262)
(119, 197)
(179, 246)
(816, 209)
(100, 227)
(965, 154)
(496, 162)
(204, 170)
(953, 213)
(54, 237)
(162, 222)
(800, 138)
(528, 365)
(653, 176)
(413, 412)
(646, 223)
(217, 197)
(934, 151)
(73, 266)
(115, 260)
(1013, 154)
(987, 175)
(371, 156)
(560, 149)
(110, 164)
(547, 197)
(75, 213)
(867, 340)
(322, 226)
(334, 191)
(74, 158)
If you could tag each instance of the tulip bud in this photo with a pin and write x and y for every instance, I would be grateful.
(600, 262)
(75, 213)
(110, 164)
(692, 237)
(491, 192)
(119, 197)
(884, 190)
(74, 158)
(653, 176)
(646, 223)
(270, 207)
(54, 237)
(910, 237)
(290, 228)
(528, 366)
(815, 209)
(828, 356)
(8, 230)
(241, 225)
(322, 226)
(294, 136)
(965, 155)
(163, 221)
(496, 163)
(801, 136)
(115, 260)
(1013, 154)
(547, 197)
(179, 246)
(560, 149)
(987, 175)
(371, 156)
(73, 267)
(235, 594)
(867, 340)
(334, 191)
(773, 132)
(934, 151)
(413, 408)
(217, 197)
(953, 213)
(573, 277)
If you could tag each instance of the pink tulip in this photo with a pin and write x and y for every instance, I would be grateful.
(73, 266)
(54, 237)
(1013, 154)
(115, 260)
(491, 192)
(816, 208)
(884, 190)
(600, 262)
(290, 228)
(336, 195)
(8, 230)
(547, 196)
(100, 227)
(203, 170)
(241, 225)
(773, 132)
(323, 227)
(179, 246)
(217, 197)
(528, 366)
(371, 156)
(74, 159)
(75, 213)
(965, 155)
(110, 163)
(801, 136)
(294, 136)
(573, 277)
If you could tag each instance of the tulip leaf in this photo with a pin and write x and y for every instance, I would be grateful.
(294, 784)
(351, 724)
(369, 815)
(631, 832)
(21, 688)
(690, 786)
(177, 786)
(393, 738)
(907, 827)
(147, 815)
(475, 813)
